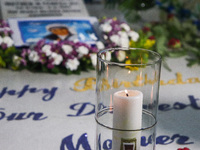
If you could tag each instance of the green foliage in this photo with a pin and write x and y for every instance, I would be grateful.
(6, 56)
(130, 8)
(186, 32)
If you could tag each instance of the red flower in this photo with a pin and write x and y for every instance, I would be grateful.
(185, 148)
(174, 43)
(152, 37)
(145, 29)
(170, 16)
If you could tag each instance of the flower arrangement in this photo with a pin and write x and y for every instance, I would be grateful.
(175, 38)
(59, 57)
(73, 57)
(183, 10)
(7, 49)
(119, 34)
(182, 19)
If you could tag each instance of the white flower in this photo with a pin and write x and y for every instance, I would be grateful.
(123, 34)
(76, 40)
(124, 42)
(134, 35)
(93, 58)
(33, 56)
(125, 27)
(82, 50)
(121, 56)
(100, 45)
(16, 60)
(67, 49)
(8, 41)
(72, 64)
(47, 50)
(1, 40)
(55, 42)
(105, 37)
(57, 58)
(108, 56)
(115, 39)
(106, 27)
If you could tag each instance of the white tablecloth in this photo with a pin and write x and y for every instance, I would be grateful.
(43, 111)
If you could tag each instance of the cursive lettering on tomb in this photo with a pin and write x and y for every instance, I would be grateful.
(86, 84)
(48, 94)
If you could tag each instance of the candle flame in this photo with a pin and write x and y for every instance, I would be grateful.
(126, 93)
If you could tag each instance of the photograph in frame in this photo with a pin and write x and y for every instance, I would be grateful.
(28, 31)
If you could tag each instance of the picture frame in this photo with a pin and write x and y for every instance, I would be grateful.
(28, 31)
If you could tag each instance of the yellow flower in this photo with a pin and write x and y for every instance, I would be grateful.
(130, 67)
(149, 43)
(132, 43)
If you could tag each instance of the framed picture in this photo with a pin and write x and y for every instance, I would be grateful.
(30, 30)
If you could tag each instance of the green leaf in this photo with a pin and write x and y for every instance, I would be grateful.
(177, 54)
(192, 62)
(2, 62)
(55, 70)
(159, 31)
(165, 65)
(161, 45)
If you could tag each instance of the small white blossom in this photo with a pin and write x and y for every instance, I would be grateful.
(57, 58)
(124, 42)
(93, 58)
(100, 45)
(8, 41)
(33, 56)
(106, 27)
(76, 40)
(105, 37)
(121, 56)
(82, 50)
(72, 64)
(125, 27)
(55, 42)
(47, 50)
(1, 40)
(123, 34)
(107, 56)
(134, 35)
(16, 60)
(67, 49)
(115, 39)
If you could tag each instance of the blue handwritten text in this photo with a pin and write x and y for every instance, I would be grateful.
(48, 93)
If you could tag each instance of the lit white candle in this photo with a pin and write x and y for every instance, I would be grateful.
(127, 115)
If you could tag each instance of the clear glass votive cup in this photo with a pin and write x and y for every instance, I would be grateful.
(127, 93)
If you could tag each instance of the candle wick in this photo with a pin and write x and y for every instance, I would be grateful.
(127, 94)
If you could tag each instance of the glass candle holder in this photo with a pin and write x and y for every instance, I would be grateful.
(127, 91)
